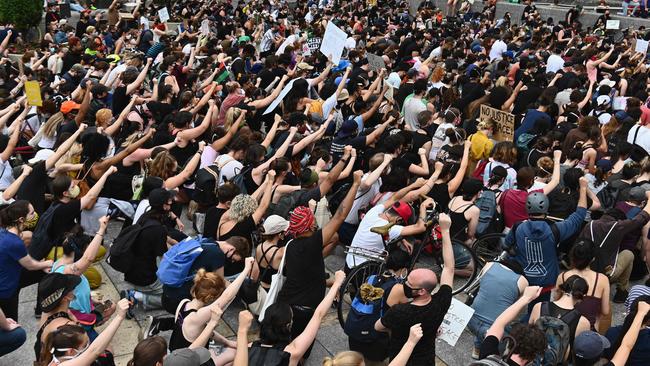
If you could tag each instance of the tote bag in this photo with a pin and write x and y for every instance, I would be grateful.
(277, 281)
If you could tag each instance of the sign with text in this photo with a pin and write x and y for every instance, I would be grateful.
(333, 42)
(505, 122)
(375, 62)
(163, 14)
(455, 322)
(613, 24)
(33, 92)
(641, 46)
(274, 104)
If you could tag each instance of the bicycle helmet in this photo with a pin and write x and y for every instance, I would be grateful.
(537, 204)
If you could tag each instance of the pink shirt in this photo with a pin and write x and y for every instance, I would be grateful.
(513, 205)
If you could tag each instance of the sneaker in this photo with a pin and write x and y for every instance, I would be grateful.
(620, 296)
(37, 312)
(129, 295)
(475, 353)
(146, 328)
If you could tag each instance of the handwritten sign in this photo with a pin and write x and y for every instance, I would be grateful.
(613, 24)
(641, 46)
(455, 322)
(375, 62)
(333, 42)
(287, 42)
(505, 122)
(163, 14)
(274, 104)
(33, 91)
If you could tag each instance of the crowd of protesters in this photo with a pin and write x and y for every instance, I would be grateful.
(119, 129)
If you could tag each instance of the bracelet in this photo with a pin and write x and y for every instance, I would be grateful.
(100, 234)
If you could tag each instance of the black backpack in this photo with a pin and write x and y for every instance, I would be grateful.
(286, 204)
(608, 196)
(120, 255)
(262, 355)
(42, 241)
(239, 180)
(206, 183)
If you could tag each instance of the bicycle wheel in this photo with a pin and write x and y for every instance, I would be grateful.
(466, 265)
(353, 282)
(488, 247)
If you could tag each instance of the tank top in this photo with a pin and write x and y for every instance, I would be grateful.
(268, 271)
(440, 193)
(590, 305)
(558, 312)
(39, 334)
(177, 339)
(498, 291)
(459, 223)
(584, 163)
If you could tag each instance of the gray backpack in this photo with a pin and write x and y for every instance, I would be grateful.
(499, 360)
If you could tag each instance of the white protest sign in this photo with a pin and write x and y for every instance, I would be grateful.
(205, 27)
(375, 62)
(163, 14)
(287, 42)
(455, 322)
(305, 50)
(333, 42)
(278, 100)
(613, 24)
(619, 103)
(641, 46)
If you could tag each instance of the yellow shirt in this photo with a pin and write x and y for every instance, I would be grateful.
(481, 146)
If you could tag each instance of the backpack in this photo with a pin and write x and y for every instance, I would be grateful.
(206, 183)
(491, 360)
(489, 220)
(120, 256)
(523, 143)
(638, 152)
(335, 199)
(286, 204)
(608, 196)
(480, 169)
(260, 355)
(558, 335)
(360, 324)
(508, 344)
(174, 269)
(239, 181)
(42, 242)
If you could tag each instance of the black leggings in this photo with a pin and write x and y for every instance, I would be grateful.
(301, 317)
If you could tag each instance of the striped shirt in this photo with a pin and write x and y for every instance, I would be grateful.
(267, 41)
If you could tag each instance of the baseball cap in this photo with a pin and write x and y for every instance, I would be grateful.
(53, 287)
(603, 100)
(590, 345)
(304, 66)
(347, 128)
(607, 82)
(187, 357)
(403, 210)
(343, 95)
(275, 224)
(42, 154)
(158, 197)
(605, 165)
(637, 194)
(508, 54)
(343, 64)
(68, 106)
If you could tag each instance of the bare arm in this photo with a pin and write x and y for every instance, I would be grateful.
(454, 184)
(113, 160)
(80, 266)
(282, 150)
(342, 212)
(405, 353)
(333, 175)
(258, 104)
(204, 100)
(266, 197)
(12, 190)
(113, 128)
(206, 334)
(555, 178)
(374, 135)
(375, 174)
(587, 97)
(192, 133)
(221, 143)
(186, 173)
(245, 321)
(85, 104)
(272, 132)
(498, 327)
(623, 352)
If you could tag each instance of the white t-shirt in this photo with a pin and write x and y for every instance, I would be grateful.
(498, 48)
(439, 139)
(362, 199)
(412, 107)
(642, 138)
(554, 63)
(364, 238)
(229, 167)
(115, 73)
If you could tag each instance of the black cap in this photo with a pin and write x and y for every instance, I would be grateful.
(53, 287)
(158, 197)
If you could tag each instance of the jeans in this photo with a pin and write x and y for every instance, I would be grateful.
(625, 7)
(11, 341)
(478, 327)
(151, 294)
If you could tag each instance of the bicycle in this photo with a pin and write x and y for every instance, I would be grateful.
(466, 261)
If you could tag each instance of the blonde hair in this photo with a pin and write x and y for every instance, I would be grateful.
(231, 116)
(502, 81)
(103, 117)
(544, 167)
(131, 139)
(207, 287)
(347, 358)
(242, 206)
(52, 124)
(486, 124)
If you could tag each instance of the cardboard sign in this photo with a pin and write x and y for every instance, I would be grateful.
(33, 91)
(505, 122)
(274, 104)
(641, 46)
(375, 62)
(333, 42)
(455, 322)
(613, 24)
(163, 14)
(305, 50)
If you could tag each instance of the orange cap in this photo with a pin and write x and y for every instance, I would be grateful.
(68, 106)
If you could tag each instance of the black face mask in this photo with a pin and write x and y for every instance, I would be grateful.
(408, 291)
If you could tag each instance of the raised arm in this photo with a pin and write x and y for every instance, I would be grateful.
(258, 104)
(271, 135)
(587, 97)
(447, 276)
(333, 174)
(206, 334)
(88, 200)
(135, 85)
(245, 322)
(113, 128)
(85, 104)
(498, 327)
(12, 190)
(80, 266)
(555, 178)
(113, 160)
(300, 344)
(99, 345)
(630, 338)
(266, 197)
(404, 354)
(375, 106)
(221, 143)
(192, 133)
(188, 170)
(343, 210)
(375, 174)
(204, 100)
(306, 141)
(423, 168)
(5, 42)
(374, 135)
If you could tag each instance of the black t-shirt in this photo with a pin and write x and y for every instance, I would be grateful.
(68, 126)
(490, 346)
(151, 244)
(400, 318)
(120, 100)
(212, 217)
(66, 215)
(210, 259)
(34, 186)
(304, 268)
